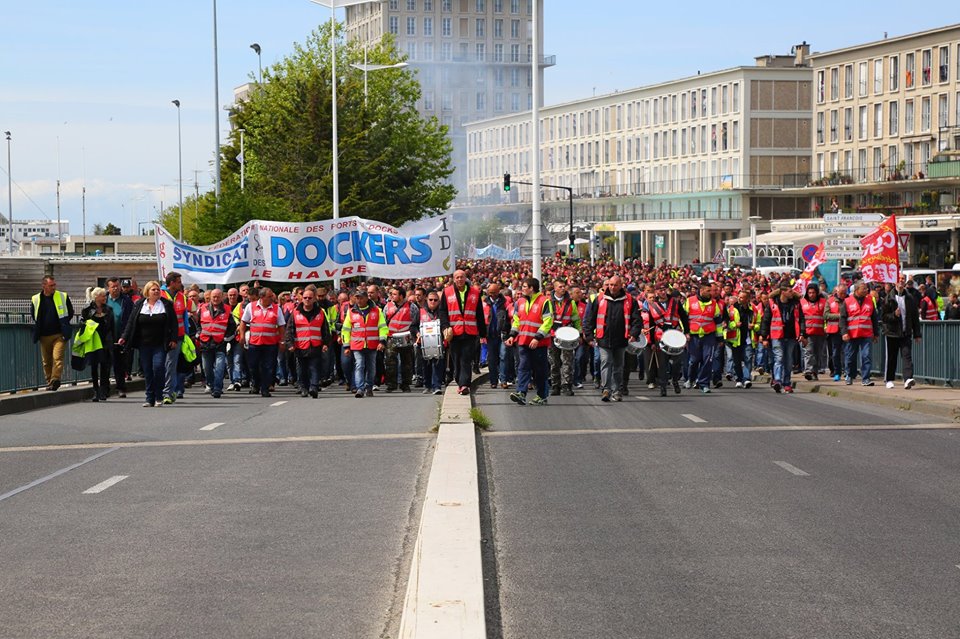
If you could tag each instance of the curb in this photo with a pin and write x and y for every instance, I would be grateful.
(947, 411)
(444, 596)
(34, 400)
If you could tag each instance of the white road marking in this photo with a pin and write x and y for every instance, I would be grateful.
(280, 403)
(212, 426)
(790, 468)
(694, 418)
(37, 482)
(667, 430)
(643, 398)
(102, 486)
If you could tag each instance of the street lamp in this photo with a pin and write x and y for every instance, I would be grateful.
(256, 48)
(9, 194)
(242, 158)
(216, 111)
(753, 239)
(176, 103)
(373, 67)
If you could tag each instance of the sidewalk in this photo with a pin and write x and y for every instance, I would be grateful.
(930, 400)
(28, 400)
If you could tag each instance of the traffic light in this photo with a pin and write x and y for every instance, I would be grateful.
(506, 181)
(573, 242)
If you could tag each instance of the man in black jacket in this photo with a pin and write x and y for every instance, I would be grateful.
(900, 318)
(611, 323)
(121, 305)
(498, 330)
(782, 326)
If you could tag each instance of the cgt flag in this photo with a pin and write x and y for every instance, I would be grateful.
(800, 286)
(881, 255)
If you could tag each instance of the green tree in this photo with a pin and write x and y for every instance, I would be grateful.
(111, 229)
(394, 164)
(204, 222)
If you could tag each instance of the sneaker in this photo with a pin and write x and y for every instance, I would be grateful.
(359, 394)
(687, 384)
(122, 394)
(738, 385)
(180, 395)
(777, 386)
(910, 383)
(207, 390)
(578, 386)
(788, 389)
(437, 391)
(718, 384)
(425, 391)
(302, 392)
(729, 377)
(651, 386)
(147, 405)
(705, 390)
(808, 377)
(375, 387)
(605, 397)
(848, 381)
(618, 397)
(539, 401)
(55, 384)
(868, 382)
(369, 392)
(748, 384)
(891, 385)
(519, 398)
(96, 398)
(167, 401)
(836, 378)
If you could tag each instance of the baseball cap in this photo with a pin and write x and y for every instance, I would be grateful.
(125, 282)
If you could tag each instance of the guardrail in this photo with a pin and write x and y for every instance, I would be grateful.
(936, 359)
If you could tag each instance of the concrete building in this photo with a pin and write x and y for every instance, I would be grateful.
(886, 137)
(671, 170)
(41, 235)
(473, 57)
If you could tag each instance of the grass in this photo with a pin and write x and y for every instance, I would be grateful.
(480, 419)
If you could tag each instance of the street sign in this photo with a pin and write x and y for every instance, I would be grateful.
(843, 254)
(659, 241)
(852, 218)
(809, 251)
(848, 230)
(904, 239)
(841, 242)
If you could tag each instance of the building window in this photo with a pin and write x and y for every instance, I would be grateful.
(894, 72)
(862, 161)
(925, 115)
(713, 101)
(736, 97)
(428, 5)
(820, 126)
(515, 29)
(514, 102)
(428, 26)
(514, 6)
(834, 126)
(862, 129)
(908, 116)
(878, 76)
(498, 29)
(862, 79)
(693, 104)
(446, 101)
(481, 28)
(412, 50)
(428, 100)
(910, 70)
(943, 111)
(394, 25)
(736, 134)
(514, 77)
(894, 116)
(394, 5)
(848, 81)
(446, 51)
(411, 26)
(411, 5)
(713, 138)
(514, 53)
(703, 103)
(878, 120)
(944, 64)
(877, 161)
(498, 6)
(926, 61)
(498, 53)
(481, 6)
(481, 101)
(848, 124)
(446, 27)
(835, 83)
(428, 51)
(498, 102)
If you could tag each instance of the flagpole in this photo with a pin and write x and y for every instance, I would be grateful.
(243, 160)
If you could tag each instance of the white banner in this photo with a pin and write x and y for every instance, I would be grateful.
(313, 251)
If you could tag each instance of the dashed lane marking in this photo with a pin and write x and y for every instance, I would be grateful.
(280, 403)
(790, 468)
(107, 483)
(712, 429)
(212, 426)
(693, 418)
(37, 482)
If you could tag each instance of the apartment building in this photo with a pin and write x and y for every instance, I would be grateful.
(886, 136)
(673, 169)
(473, 57)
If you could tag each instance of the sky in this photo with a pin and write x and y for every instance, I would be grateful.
(86, 87)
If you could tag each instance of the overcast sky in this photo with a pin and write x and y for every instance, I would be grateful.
(86, 87)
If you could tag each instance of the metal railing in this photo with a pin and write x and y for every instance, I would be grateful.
(866, 175)
(935, 358)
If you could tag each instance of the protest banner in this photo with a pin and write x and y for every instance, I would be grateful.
(881, 254)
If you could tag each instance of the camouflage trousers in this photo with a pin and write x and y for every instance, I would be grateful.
(561, 368)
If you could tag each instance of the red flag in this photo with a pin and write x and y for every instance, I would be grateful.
(881, 255)
(800, 286)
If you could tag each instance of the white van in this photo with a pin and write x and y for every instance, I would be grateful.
(919, 275)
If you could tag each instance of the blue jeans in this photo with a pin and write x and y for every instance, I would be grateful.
(494, 348)
(239, 372)
(857, 350)
(347, 366)
(533, 363)
(508, 366)
(214, 368)
(701, 350)
(763, 357)
(579, 364)
(365, 369)
(262, 361)
(433, 370)
(784, 351)
(747, 362)
(309, 371)
(152, 360)
(173, 381)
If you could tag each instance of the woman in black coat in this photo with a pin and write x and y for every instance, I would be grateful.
(152, 329)
(99, 360)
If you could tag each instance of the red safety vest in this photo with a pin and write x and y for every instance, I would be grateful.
(398, 319)
(179, 308)
(562, 315)
(465, 321)
(928, 309)
(859, 317)
(602, 316)
(263, 325)
(776, 322)
(731, 333)
(813, 314)
(510, 308)
(309, 332)
(364, 332)
(531, 318)
(213, 328)
(832, 325)
(702, 317)
(658, 317)
(427, 316)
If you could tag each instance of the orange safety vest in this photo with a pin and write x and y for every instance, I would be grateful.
(776, 322)
(562, 315)
(263, 325)
(731, 333)
(213, 328)
(465, 321)
(813, 313)
(702, 317)
(859, 317)
(833, 325)
(364, 332)
(602, 316)
(398, 319)
(531, 318)
(928, 309)
(309, 333)
(179, 308)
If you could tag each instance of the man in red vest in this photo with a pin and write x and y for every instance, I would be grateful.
(531, 333)
(306, 336)
(402, 316)
(217, 329)
(364, 334)
(612, 322)
(782, 328)
(831, 317)
(462, 313)
(264, 321)
(859, 325)
(814, 309)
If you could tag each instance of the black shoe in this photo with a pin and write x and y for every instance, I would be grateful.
(313, 393)
(55, 384)
(304, 392)
(253, 391)
(103, 397)
(624, 392)
(718, 384)
(676, 387)
(265, 394)
(359, 394)
(390, 390)
(216, 395)
(404, 389)
(368, 392)
(663, 391)
(568, 392)
(96, 398)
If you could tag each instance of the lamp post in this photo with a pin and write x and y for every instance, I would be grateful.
(243, 159)
(176, 103)
(365, 67)
(216, 110)
(535, 150)
(256, 48)
(753, 239)
(9, 194)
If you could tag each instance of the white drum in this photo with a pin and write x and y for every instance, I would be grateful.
(635, 347)
(673, 342)
(431, 340)
(567, 338)
(401, 340)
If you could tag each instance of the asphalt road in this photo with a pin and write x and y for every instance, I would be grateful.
(228, 532)
(723, 527)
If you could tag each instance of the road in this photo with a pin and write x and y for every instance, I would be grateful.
(738, 514)
(292, 520)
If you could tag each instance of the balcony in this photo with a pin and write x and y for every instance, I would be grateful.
(935, 174)
(506, 59)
